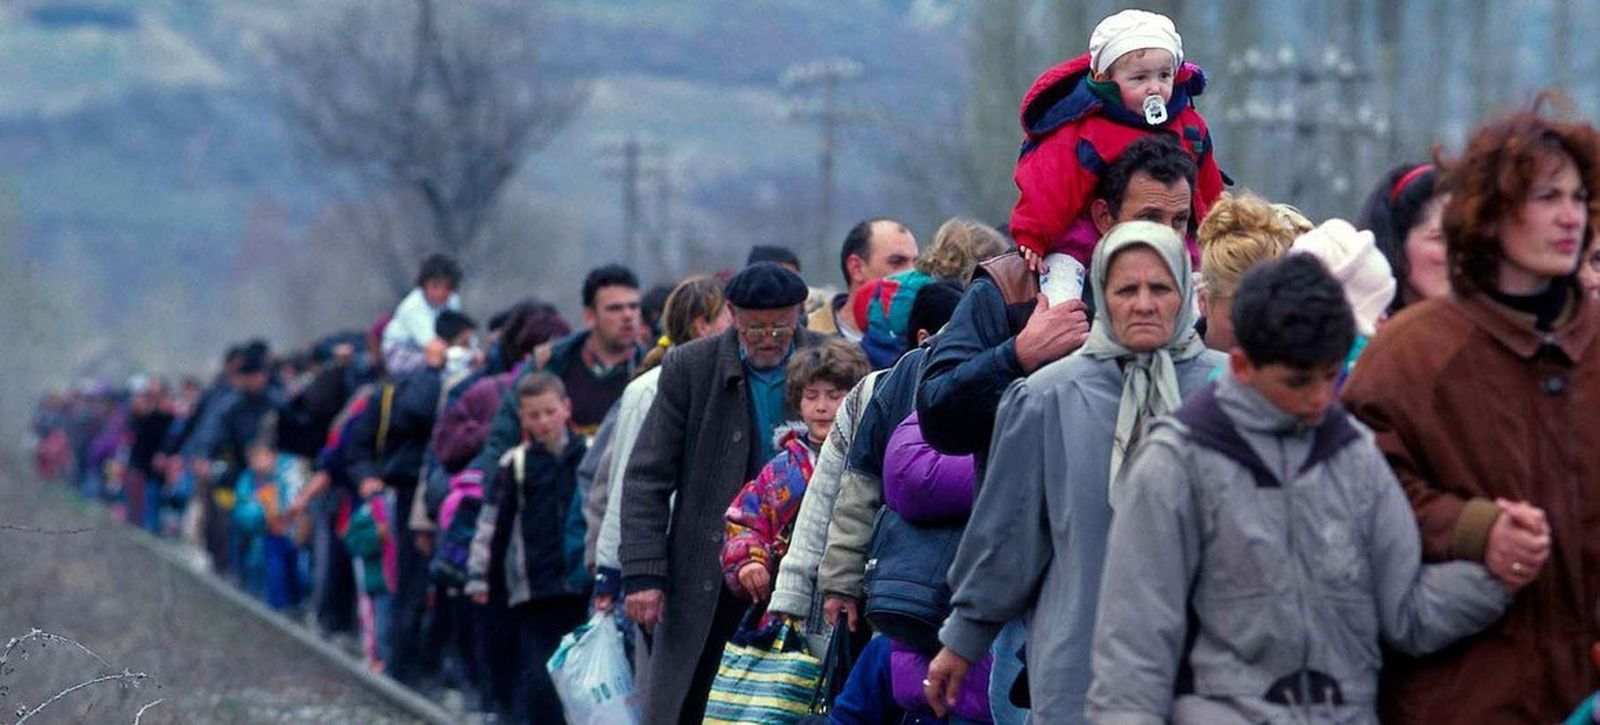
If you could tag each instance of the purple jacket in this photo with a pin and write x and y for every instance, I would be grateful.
(464, 426)
(922, 484)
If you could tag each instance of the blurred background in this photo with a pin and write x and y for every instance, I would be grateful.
(179, 174)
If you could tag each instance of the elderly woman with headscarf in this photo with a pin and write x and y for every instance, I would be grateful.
(1037, 537)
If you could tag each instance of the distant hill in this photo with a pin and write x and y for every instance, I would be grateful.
(135, 137)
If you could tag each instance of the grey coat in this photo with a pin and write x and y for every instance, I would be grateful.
(1284, 553)
(695, 443)
(1036, 540)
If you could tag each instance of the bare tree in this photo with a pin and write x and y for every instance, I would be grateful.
(438, 101)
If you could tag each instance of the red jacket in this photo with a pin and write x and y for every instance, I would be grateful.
(1072, 135)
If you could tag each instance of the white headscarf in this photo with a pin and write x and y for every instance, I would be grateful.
(1149, 380)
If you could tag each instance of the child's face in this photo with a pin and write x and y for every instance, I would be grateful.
(818, 402)
(263, 460)
(1143, 73)
(544, 416)
(1305, 393)
(437, 291)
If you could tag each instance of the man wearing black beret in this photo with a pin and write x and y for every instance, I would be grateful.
(707, 433)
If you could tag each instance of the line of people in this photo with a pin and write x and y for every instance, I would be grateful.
(1171, 454)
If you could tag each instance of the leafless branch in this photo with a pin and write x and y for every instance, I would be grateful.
(126, 676)
(40, 530)
(140, 714)
(44, 636)
(442, 103)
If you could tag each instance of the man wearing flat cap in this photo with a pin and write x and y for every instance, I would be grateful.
(707, 433)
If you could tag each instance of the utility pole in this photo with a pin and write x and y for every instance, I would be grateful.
(630, 161)
(824, 79)
(668, 256)
(1315, 107)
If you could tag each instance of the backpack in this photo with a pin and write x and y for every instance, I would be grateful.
(449, 565)
(435, 477)
(906, 583)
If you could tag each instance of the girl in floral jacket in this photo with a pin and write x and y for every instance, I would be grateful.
(761, 517)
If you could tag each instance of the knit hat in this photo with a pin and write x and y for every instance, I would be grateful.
(1353, 259)
(1132, 30)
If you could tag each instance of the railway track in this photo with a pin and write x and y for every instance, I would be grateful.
(162, 641)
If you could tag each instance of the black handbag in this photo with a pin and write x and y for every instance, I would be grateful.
(907, 587)
(836, 666)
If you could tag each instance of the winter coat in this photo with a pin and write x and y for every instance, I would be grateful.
(923, 485)
(261, 504)
(1471, 402)
(631, 411)
(538, 500)
(589, 478)
(464, 426)
(974, 358)
(1270, 558)
(595, 500)
(310, 413)
(235, 425)
(554, 358)
(1073, 135)
(761, 517)
(410, 328)
(868, 695)
(795, 592)
(146, 433)
(182, 439)
(1036, 540)
(844, 562)
(696, 443)
(825, 319)
(398, 457)
(908, 669)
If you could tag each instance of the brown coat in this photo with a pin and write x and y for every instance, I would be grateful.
(1470, 402)
(695, 443)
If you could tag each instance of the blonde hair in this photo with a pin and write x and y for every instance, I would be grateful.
(1241, 231)
(958, 247)
(697, 298)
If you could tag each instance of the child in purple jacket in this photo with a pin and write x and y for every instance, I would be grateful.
(925, 486)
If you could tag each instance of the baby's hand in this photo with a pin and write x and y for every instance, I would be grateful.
(1033, 260)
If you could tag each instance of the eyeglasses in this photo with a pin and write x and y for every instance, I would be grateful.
(757, 334)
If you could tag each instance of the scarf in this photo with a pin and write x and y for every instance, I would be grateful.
(1149, 379)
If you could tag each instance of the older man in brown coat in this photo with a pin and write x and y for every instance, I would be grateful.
(707, 433)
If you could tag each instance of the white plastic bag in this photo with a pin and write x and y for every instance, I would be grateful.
(592, 676)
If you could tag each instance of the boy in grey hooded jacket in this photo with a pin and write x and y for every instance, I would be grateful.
(1261, 548)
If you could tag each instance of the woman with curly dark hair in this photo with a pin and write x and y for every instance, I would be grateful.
(1484, 403)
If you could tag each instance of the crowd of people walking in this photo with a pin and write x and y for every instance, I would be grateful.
(1152, 451)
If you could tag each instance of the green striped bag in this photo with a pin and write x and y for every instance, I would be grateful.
(766, 678)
